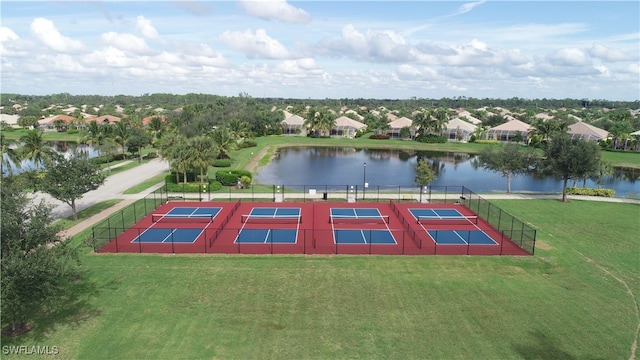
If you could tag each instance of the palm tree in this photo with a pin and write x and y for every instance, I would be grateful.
(322, 122)
(168, 148)
(34, 149)
(224, 140)
(441, 118)
(202, 154)
(10, 156)
(422, 122)
(239, 129)
(121, 132)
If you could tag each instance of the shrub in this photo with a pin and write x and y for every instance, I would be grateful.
(591, 192)
(230, 177)
(190, 187)
(247, 143)
(380, 137)
(246, 182)
(491, 142)
(72, 131)
(222, 163)
(432, 139)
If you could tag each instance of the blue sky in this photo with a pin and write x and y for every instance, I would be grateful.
(323, 49)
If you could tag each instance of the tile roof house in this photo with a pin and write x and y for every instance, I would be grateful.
(56, 122)
(585, 131)
(396, 125)
(293, 125)
(347, 127)
(459, 130)
(509, 130)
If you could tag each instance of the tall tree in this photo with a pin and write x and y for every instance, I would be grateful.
(424, 175)
(568, 158)
(121, 132)
(510, 160)
(34, 276)
(10, 156)
(224, 140)
(34, 148)
(68, 179)
(203, 154)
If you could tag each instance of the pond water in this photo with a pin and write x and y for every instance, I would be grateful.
(320, 166)
(61, 147)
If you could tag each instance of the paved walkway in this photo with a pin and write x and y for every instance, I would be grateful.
(116, 184)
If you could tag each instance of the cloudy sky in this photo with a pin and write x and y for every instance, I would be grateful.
(323, 49)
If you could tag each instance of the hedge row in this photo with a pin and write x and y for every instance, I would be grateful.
(591, 192)
(230, 177)
(431, 139)
(190, 187)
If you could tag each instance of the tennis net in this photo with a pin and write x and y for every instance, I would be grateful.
(180, 218)
(380, 219)
(271, 219)
(449, 220)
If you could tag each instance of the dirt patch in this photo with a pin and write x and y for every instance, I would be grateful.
(20, 330)
(543, 245)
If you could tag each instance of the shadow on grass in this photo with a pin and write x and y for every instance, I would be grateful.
(74, 308)
(544, 347)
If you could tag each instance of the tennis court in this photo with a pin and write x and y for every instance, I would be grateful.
(390, 228)
(465, 227)
(270, 225)
(371, 227)
(158, 233)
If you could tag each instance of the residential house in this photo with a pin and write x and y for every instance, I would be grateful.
(347, 127)
(510, 130)
(457, 129)
(585, 131)
(398, 124)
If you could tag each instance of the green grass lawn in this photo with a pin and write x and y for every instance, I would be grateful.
(568, 301)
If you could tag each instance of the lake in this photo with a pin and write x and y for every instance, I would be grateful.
(333, 166)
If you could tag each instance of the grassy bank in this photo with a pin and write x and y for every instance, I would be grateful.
(568, 301)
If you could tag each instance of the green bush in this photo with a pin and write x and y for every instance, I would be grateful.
(491, 142)
(432, 139)
(190, 187)
(591, 192)
(230, 177)
(72, 131)
(222, 163)
(247, 143)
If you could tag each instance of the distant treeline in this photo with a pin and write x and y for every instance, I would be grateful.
(173, 101)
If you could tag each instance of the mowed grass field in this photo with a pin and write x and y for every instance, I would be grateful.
(575, 299)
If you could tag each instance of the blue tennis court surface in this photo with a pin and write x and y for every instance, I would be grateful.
(355, 213)
(350, 236)
(194, 211)
(267, 236)
(436, 213)
(183, 236)
(461, 237)
(274, 212)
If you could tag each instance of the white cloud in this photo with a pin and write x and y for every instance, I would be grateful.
(125, 42)
(465, 8)
(47, 33)
(145, 28)
(7, 34)
(258, 44)
(275, 9)
(568, 57)
(607, 54)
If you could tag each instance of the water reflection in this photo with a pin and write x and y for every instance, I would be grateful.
(344, 166)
